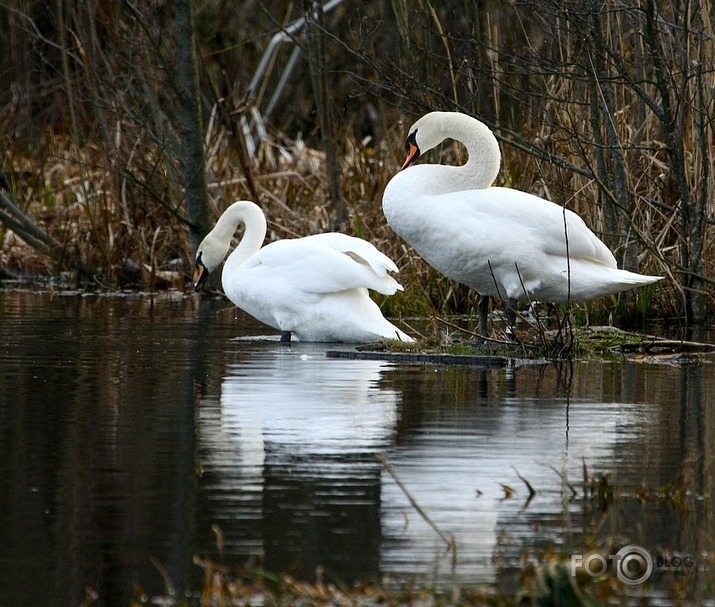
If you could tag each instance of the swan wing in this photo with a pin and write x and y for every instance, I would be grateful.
(357, 248)
(516, 218)
(314, 267)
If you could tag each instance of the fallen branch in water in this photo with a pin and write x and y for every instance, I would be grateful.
(13, 217)
(451, 325)
(666, 346)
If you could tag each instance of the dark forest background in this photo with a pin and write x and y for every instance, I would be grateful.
(127, 127)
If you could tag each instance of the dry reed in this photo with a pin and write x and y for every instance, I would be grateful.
(144, 245)
(107, 185)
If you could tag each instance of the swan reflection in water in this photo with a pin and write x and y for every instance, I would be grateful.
(468, 472)
(288, 459)
(288, 455)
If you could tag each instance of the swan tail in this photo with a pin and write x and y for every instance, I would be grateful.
(632, 278)
(386, 285)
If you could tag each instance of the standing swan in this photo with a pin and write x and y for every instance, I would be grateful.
(500, 242)
(315, 287)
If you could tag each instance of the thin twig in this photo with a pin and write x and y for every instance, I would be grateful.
(411, 328)
(472, 333)
(539, 325)
(446, 536)
(569, 485)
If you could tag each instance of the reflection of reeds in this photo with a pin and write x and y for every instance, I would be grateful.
(547, 576)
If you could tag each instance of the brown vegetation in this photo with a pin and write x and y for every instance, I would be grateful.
(605, 107)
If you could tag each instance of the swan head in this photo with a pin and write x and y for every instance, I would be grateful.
(433, 128)
(427, 133)
(209, 256)
(414, 146)
(214, 247)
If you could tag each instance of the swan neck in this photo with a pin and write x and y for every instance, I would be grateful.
(251, 216)
(484, 160)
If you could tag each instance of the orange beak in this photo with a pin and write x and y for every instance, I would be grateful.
(413, 150)
(202, 274)
(413, 153)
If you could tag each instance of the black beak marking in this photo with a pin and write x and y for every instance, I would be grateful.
(412, 149)
(202, 273)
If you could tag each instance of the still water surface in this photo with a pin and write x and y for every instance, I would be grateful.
(132, 427)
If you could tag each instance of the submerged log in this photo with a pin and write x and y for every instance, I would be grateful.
(474, 360)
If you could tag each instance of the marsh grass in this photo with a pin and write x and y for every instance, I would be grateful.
(91, 146)
(83, 199)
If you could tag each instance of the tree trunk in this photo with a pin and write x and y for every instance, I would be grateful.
(193, 162)
(316, 58)
(618, 208)
(672, 117)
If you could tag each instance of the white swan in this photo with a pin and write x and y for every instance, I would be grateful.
(501, 242)
(315, 287)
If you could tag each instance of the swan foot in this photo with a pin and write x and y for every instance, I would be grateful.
(511, 320)
(285, 337)
(483, 315)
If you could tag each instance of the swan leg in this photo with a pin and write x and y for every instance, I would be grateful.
(483, 313)
(285, 337)
(511, 319)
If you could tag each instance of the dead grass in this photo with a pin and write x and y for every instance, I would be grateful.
(123, 218)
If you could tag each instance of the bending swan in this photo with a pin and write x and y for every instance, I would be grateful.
(500, 242)
(315, 287)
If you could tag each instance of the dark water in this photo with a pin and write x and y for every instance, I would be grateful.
(131, 427)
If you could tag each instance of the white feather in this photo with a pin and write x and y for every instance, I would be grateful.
(315, 287)
(499, 241)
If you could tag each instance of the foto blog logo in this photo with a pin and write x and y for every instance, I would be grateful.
(632, 564)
